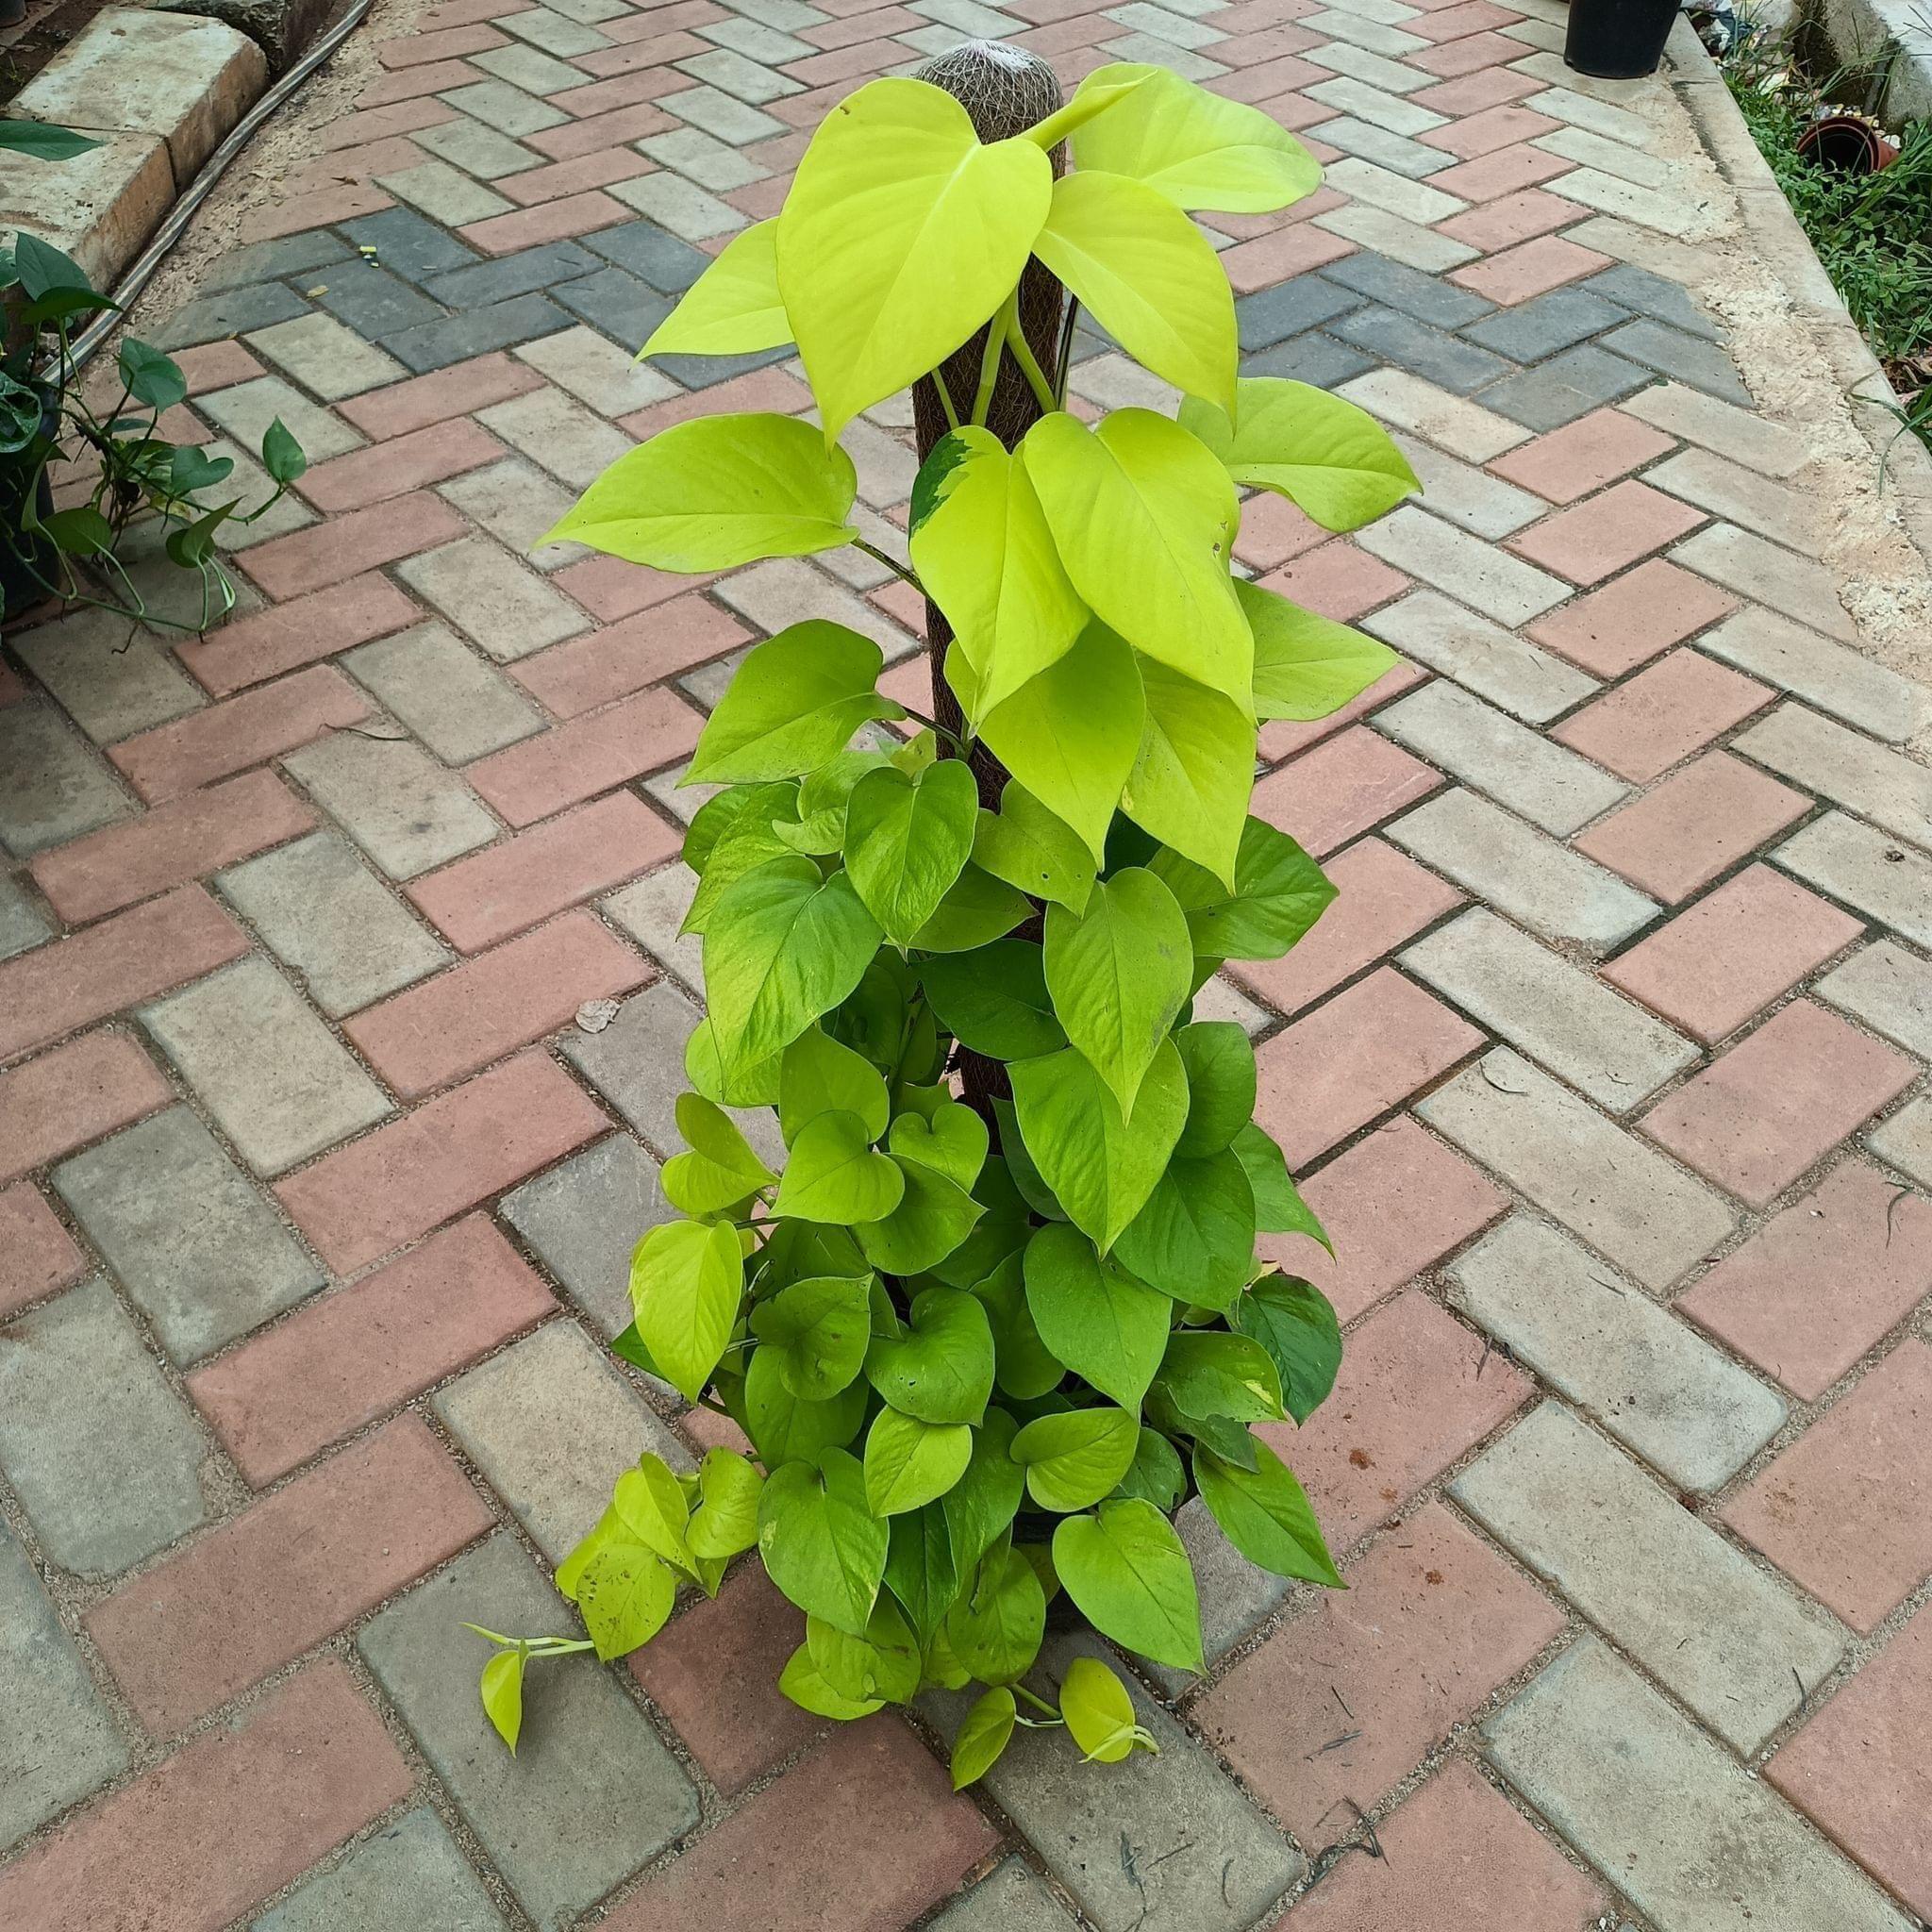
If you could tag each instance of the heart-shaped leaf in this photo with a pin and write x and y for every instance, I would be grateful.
(1126, 1570)
(909, 1464)
(833, 1175)
(719, 1170)
(1075, 1459)
(941, 1368)
(821, 1544)
(817, 1330)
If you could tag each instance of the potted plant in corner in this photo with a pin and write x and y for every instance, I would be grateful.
(1001, 1312)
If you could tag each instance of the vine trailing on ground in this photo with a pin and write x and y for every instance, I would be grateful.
(982, 1349)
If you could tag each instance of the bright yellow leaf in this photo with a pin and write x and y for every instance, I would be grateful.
(733, 309)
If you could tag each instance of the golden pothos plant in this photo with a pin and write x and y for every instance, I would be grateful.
(982, 1348)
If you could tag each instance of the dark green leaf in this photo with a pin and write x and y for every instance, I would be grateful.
(1267, 1516)
(1156, 1476)
(150, 377)
(993, 1000)
(920, 1570)
(282, 457)
(1278, 1205)
(1219, 1059)
(1296, 1323)
(44, 142)
(1209, 1374)
(1194, 1239)
(1279, 893)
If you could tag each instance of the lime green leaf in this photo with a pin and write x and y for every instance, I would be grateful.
(821, 1544)
(624, 1596)
(901, 235)
(717, 492)
(802, 1681)
(1156, 1476)
(1278, 1205)
(985, 1733)
(734, 307)
(1101, 1167)
(1208, 1373)
(1024, 1366)
(686, 1281)
(980, 1506)
(1095, 93)
(726, 1518)
(820, 1074)
(1194, 1239)
(1279, 892)
(941, 1369)
(502, 1685)
(1125, 1569)
(1119, 974)
(784, 946)
(951, 1139)
(1195, 148)
(987, 559)
(909, 1464)
(1308, 666)
(794, 703)
(908, 840)
(734, 833)
(934, 1215)
(749, 1084)
(816, 1331)
(1033, 850)
(977, 910)
(1075, 1459)
(785, 1427)
(1195, 771)
(1296, 1323)
(1099, 1714)
(833, 1175)
(1144, 516)
(1328, 456)
(1148, 275)
(1071, 735)
(1219, 1059)
(994, 1000)
(920, 1570)
(1267, 1516)
(1095, 1316)
(883, 1663)
(996, 1628)
(719, 1170)
(648, 1505)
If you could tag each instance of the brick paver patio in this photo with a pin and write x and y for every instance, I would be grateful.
(1608, 1070)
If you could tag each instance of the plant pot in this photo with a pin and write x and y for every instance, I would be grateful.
(1618, 39)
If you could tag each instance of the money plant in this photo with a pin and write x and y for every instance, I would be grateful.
(1000, 1311)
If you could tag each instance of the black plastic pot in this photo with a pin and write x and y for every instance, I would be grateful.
(20, 589)
(1618, 39)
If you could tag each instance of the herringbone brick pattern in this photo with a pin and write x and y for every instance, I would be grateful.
(342, 1010)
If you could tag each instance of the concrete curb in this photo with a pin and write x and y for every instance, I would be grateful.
(160, 91)
(1859, 30)
(1781, 243)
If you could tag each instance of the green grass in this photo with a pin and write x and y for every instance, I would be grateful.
(1872, 232)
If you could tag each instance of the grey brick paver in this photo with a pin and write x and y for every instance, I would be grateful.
(1012, 1899)
(1227, 1859)
(1889, 991)
(1522, 872)
(1892, 791)
(22, 927)
(1905, 1141)
(1869, 872)
(1650, 1380)
(1524, 678)
(99, 1449)
(444, 692)
(407, 1875)
(58, 1741)
(1665, 1586)
(327, 917)
(553, 1387)
(1827, 674)
(583, 1218)
(493, 598)
(53, 786)
(591, 1794)
(111, 677)
(278, 1083)
(1755, 568)
(407, 812)
(1604, 1184)
(1532, 775)
(1670, 1819)
(200, 1251)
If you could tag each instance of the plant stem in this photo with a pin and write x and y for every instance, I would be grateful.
(939, 382)
(952, 738)
(989, 362)
(1038, 1703)
(897, 569)
(1022, 354)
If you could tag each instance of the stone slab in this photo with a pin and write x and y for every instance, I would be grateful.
(408, 1873)
(1671, 1820)
(1737, 1648)
(1889, 989)
(183, 77)
(407, 812)
(101, 1452)
(193, 1243)
(100, 207)
(1659, 1387)
(1011, 1898)
(592, 1793)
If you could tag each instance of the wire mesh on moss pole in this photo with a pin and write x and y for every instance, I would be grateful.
(1005, 91)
